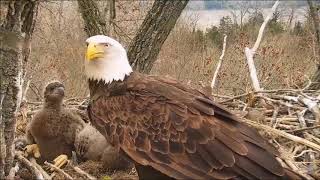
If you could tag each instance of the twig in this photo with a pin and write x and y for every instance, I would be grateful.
(83, 173)
(313, 137)
(303, 152)
(301, 119)
(35, 103)
(274, 121)
(309, 83)
(24, 93)
(43, 172)
(2, 138)
(13, 172)
(263, 26)
(312, 106)
(276, 101)
(66, 175)
(213, 83)
(283, 134)
(263, 91)
(252, 70)
(35, 90)
(251, 52)
(236, 97)
(303, 129)
(29, 165)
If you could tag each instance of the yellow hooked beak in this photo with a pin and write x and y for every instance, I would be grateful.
(94, 51)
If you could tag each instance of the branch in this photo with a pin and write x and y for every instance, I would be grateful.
(313, 107)
(251, 52)
(283, 134)
(83, 173)
(13, 172)
(43, 172)
(252, 69)
(66, 175)
(29, 165)
(24, 93)
(303, 129)
(219, 62)
(263, 26)
(2, 138)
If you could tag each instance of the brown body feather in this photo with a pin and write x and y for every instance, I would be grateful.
(54, 127)
(179, 132)
(54, 131)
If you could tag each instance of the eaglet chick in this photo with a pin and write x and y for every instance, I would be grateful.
(56, 131)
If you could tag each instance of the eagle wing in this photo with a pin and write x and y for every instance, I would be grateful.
(182, 133)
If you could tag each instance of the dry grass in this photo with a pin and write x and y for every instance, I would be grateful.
(283, 60)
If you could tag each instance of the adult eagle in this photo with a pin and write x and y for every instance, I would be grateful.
(169, 130)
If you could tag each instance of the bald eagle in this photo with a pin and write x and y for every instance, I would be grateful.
(171, 131)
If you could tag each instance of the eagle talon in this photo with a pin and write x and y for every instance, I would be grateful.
(32, 149)
(60, 161)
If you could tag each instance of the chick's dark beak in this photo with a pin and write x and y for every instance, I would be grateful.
(59, 91)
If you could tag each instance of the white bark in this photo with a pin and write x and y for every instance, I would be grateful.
(24, 93)
(2, 139)
(251, 52)
(213, 83)
(252, 69)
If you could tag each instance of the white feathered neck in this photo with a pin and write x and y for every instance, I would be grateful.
(114, 66)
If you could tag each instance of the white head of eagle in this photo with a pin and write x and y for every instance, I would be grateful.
(106, 59)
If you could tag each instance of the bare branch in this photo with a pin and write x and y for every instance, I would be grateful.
(2, 138)
(43, 172)
(24, 93)
(251, 52)
(252, 69)
(263, 26)
(283, 134)
(313, 107)
(83, 173)
(28, 165)
(219, 62)
(13, 172)
(66, 175)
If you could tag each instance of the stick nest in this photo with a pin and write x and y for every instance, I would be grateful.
(289, 118)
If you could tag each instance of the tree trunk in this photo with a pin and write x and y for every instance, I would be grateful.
(153, 32)
(146, 45)
(94, 23)
(316, 22)
(15, 35)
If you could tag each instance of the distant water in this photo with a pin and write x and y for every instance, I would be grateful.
(208, 18)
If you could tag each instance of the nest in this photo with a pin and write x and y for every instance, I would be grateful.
(289, 118)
